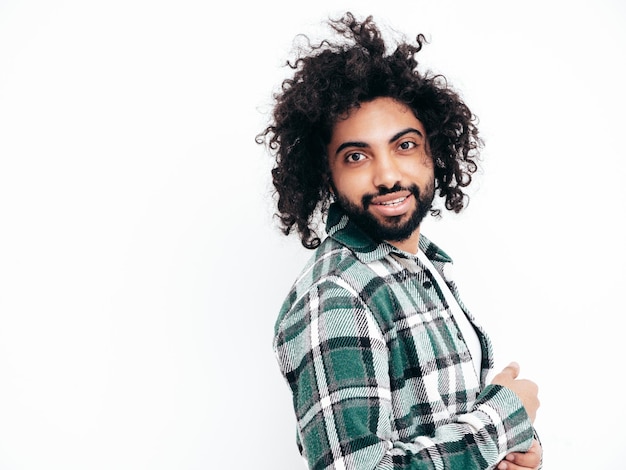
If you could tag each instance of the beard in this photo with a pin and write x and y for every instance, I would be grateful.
(390, 228)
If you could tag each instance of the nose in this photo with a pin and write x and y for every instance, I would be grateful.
(386, 171)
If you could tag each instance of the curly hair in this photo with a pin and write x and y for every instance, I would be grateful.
(329, 80)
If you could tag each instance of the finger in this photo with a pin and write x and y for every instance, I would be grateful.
(530, 459)
(512, 369)
(524, 460)
(504, 465)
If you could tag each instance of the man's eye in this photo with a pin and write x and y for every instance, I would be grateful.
(407, 145)
(355, 157)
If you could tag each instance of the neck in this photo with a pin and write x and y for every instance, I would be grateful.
(410, 245)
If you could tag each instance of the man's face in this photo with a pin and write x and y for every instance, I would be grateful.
(381, 170)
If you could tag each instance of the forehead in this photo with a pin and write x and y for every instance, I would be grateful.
(376, 119)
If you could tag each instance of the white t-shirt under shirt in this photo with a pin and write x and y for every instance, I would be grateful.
(469, 334)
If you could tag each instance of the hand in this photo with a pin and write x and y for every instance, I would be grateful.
(523, 460)
(526, 390)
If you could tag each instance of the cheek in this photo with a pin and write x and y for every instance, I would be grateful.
(421, 169)
(351, 185)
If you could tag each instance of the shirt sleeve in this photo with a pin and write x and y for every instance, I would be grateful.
(335, 359)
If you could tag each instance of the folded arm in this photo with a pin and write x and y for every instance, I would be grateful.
(337, 362)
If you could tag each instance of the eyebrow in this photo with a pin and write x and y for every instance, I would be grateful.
(362, 145)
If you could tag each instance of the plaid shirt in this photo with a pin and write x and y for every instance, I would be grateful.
(380, 374)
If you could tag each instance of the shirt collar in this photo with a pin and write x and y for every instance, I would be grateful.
(343, 230)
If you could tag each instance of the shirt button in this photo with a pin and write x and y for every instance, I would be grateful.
(427, 285)
(459, 335)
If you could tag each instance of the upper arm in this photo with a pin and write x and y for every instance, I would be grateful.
(335, 359)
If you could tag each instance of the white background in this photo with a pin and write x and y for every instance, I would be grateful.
(140, 268)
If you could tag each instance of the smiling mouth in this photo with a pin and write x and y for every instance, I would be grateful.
(393, 202)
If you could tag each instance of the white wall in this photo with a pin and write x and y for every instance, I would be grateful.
(140, 271)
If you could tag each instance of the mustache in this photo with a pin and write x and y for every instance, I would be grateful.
(366, 200)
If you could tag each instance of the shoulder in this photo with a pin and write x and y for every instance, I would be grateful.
(336, 279)
(330, 264)
(332, 302)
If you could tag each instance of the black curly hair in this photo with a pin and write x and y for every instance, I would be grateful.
(329, 80)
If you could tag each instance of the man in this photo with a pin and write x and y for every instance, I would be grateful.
(386, 365)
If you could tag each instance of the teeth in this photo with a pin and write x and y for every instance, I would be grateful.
(395, 201)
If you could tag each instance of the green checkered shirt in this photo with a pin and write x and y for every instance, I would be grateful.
(380, 374)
